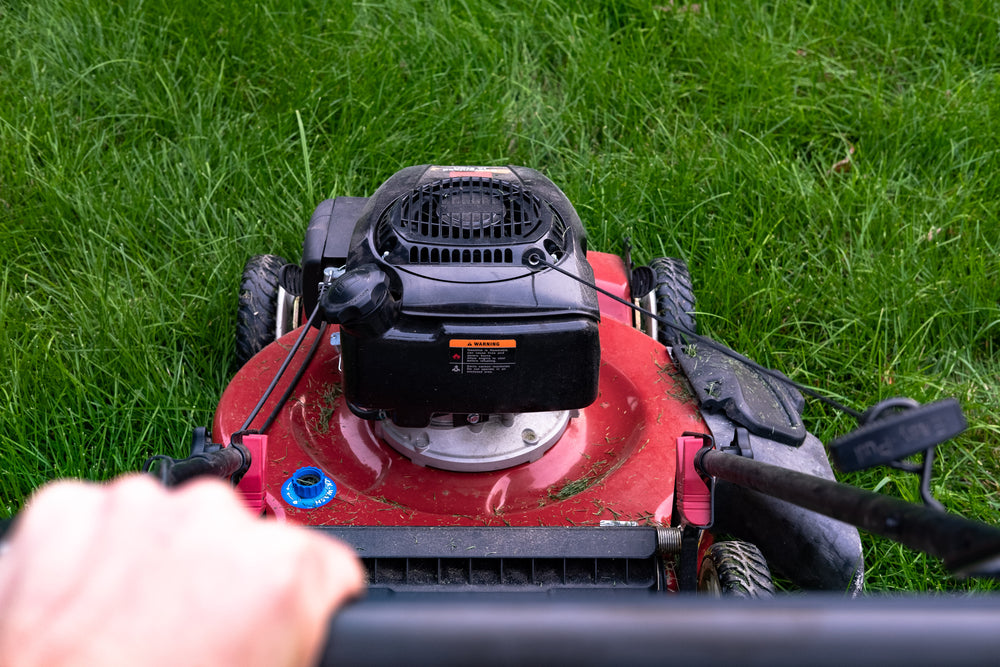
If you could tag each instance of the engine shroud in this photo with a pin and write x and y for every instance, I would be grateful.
(457, 323)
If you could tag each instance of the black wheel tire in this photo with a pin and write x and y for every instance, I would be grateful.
(735, 569)
(674, 296)
(257, 313)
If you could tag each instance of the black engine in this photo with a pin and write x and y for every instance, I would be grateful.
(440, 313)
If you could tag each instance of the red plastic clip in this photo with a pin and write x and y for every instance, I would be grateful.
(694, 493)
(251, 487)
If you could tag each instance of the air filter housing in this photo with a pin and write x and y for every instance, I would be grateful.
(438, 310)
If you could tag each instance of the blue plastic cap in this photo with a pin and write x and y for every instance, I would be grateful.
(308, 487)
(308, 482)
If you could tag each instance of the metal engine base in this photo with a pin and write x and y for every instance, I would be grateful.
(495, 443)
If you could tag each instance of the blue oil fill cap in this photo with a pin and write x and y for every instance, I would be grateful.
(308, 487)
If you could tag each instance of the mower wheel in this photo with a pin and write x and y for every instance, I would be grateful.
(735, 569)
(258, 311)
(674, 297)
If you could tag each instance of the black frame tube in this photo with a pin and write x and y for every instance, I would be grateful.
(680, 629)
(968, 548)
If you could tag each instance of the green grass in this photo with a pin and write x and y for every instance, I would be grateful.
(147, 148)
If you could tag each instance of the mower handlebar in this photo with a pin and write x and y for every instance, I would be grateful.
(791, 630)
(967, 547)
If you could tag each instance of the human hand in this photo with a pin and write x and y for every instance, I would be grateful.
(132, 573)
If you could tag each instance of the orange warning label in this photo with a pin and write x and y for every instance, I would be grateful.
(477, 343)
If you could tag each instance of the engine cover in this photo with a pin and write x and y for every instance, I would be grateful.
(439, 312)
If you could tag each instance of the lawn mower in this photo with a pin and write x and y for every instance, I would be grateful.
(479, 404)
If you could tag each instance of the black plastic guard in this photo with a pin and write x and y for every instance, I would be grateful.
(725, 384)
(814, 551)
(549, 561)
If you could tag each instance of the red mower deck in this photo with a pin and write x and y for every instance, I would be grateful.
(615, 462)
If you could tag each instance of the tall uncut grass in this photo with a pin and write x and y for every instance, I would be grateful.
(829, 170)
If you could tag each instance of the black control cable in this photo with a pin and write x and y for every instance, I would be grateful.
(281, 371)
(535, 258)
(887, 433)
(295, 380)
(233, 461)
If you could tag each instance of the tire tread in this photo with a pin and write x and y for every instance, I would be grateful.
(257, 312)
(675, 299)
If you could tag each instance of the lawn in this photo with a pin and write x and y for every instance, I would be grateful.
(830, 171)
